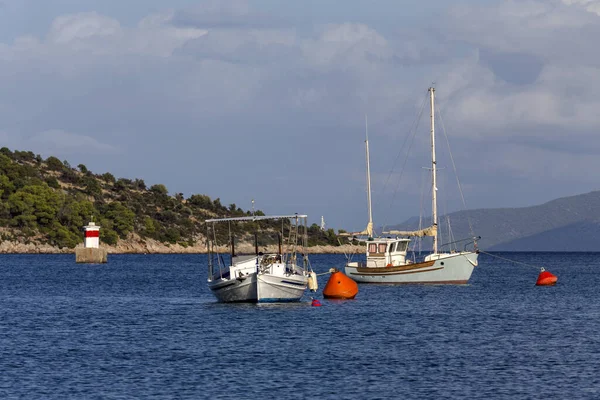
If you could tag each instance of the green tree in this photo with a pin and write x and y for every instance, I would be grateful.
(70, 176)
(201, 201)
(159, 189)
(92, 187)
(52, 182)
(150, 226)
(83, 169)
(108, 177)
(120, 185)
(172, 235)
(61, 236)
(54, 164)
(122, 217)
(6, 186)
(139, 184)
(109, 236)
(76, 214)
(34, 205)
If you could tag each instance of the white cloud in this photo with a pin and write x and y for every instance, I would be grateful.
(60, 143)
(592, 6)
(66, 29)
(221, 76)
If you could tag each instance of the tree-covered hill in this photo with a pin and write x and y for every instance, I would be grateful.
(49, 201)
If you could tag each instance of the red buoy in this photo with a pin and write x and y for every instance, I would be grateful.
(339, 286)
(315, 303)
(545, 278)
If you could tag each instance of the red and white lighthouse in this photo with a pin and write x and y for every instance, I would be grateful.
(91, 236)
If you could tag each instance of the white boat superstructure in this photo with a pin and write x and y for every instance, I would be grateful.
(260, 278)
(386, 257)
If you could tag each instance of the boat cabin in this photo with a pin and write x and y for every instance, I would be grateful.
(386, 252)
(244, 265)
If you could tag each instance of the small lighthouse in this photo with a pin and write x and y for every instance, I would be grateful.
(91, 251)
(91, 236)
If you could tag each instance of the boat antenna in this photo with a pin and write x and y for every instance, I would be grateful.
(253, 208)
(369, 230)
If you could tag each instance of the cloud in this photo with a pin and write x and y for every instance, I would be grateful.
(233, 14)
(533, 65)
(592, 6)
(66, 29)
(61, 143)
(191, 96)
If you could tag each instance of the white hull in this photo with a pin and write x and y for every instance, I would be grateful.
(259, 288)
(449, 268)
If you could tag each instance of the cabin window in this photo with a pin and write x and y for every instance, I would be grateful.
(402, 246)
(393, 247)
(382, 247)
(372, 247)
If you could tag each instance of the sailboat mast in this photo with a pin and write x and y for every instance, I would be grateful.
(370, 225)
(434, 218)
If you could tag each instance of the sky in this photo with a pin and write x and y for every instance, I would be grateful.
(266, 99)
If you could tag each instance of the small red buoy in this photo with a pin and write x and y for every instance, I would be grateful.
(339, 286)
(315, 303)
(545, 278)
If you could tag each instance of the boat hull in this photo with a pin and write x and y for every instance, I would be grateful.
(452, 268)
(259, 288)
(277, 289)
(234, 290)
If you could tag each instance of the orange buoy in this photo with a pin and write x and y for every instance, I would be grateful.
(545, 278)
(339, 286)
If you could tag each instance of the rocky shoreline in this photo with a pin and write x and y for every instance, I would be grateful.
(150, 246)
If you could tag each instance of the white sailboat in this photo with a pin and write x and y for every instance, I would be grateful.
(386, 257)
(261, 278)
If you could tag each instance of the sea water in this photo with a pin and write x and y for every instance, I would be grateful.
(146, 326)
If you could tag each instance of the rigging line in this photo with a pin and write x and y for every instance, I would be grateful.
(440, 224)
(462, 196)
(414, 128)
(450, 234)
(422, 208)
(508, 259)
(442, 183)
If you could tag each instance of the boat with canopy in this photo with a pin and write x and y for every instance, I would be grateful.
(262, 277)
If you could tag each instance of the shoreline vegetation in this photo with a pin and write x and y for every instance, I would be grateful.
(150, 246)
(44, 204)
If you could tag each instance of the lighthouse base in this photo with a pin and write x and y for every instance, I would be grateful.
(90, 255)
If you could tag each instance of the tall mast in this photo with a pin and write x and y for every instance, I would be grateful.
(433, 173)
(370, 225)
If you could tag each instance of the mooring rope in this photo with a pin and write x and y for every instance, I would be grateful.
(513, 261)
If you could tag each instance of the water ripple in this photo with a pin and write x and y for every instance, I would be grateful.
(147, 327)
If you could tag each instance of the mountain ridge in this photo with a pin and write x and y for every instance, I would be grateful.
(539, 226)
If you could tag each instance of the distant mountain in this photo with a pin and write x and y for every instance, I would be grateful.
(565, 224)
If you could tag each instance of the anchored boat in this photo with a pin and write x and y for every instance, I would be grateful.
(386, 257)
(261, 277)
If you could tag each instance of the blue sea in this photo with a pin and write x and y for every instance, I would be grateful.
(146, 327)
